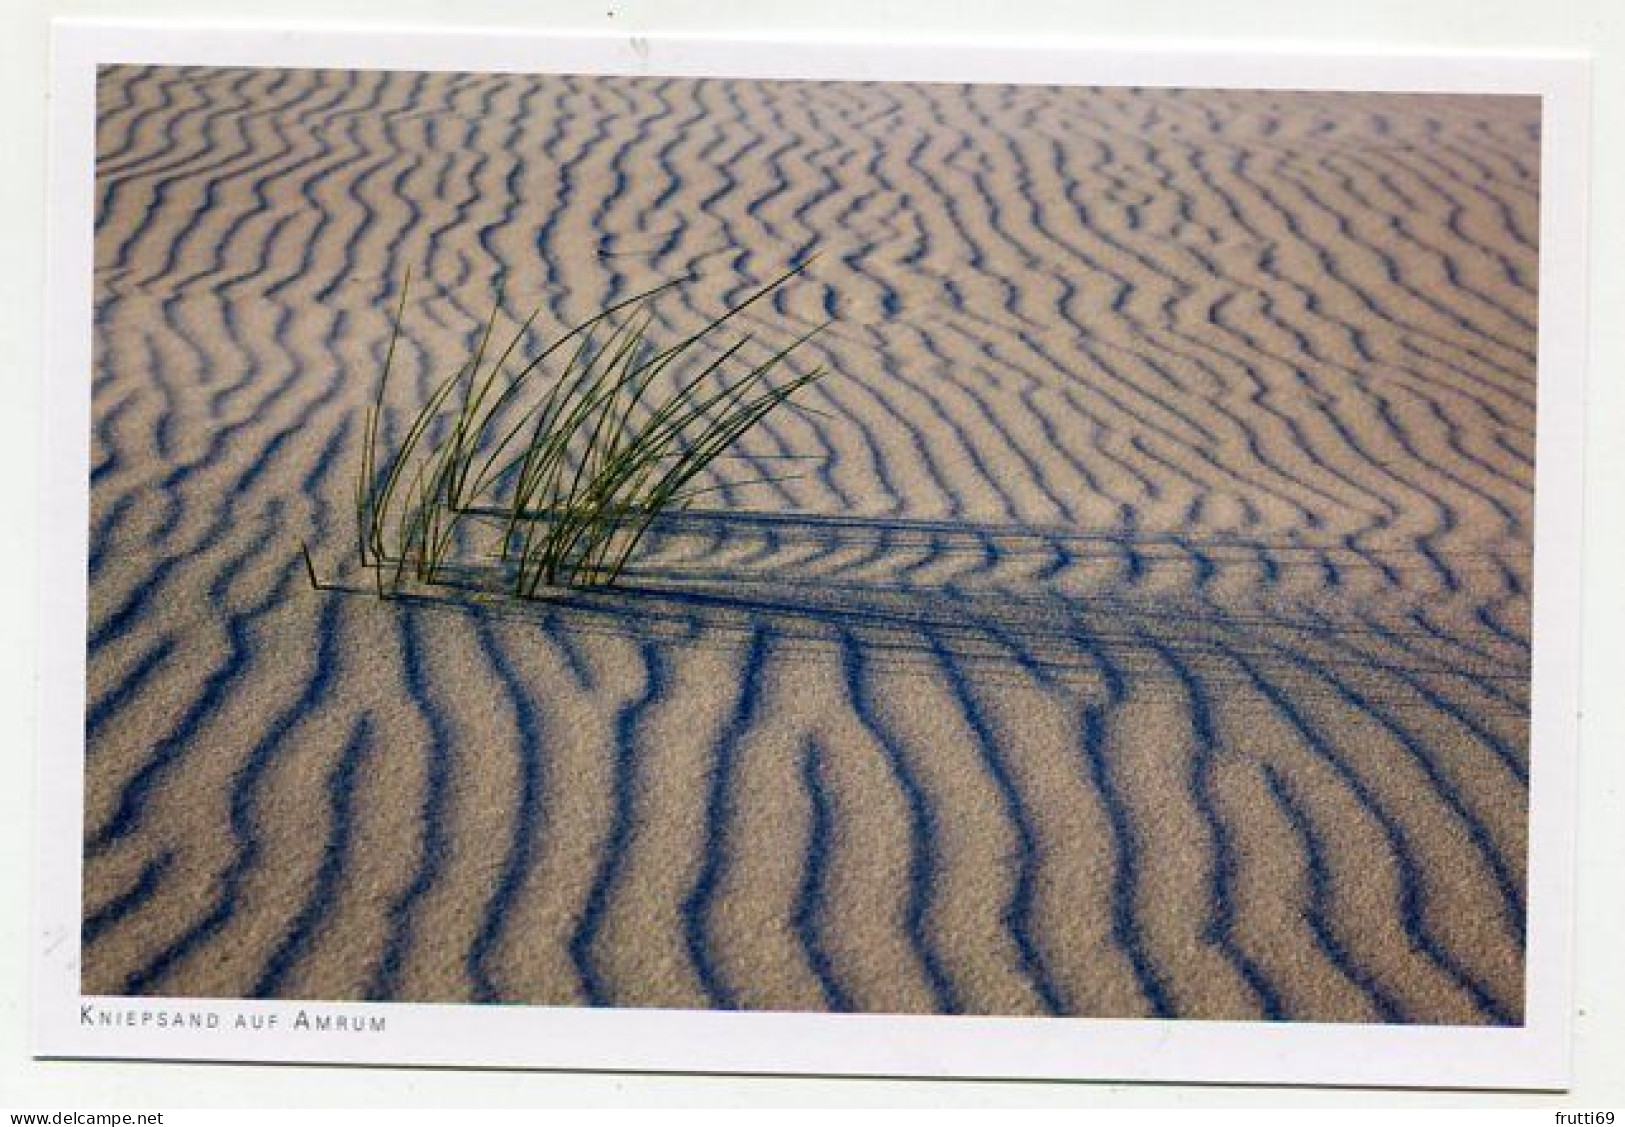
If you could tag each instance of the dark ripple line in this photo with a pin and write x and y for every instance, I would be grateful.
(1512, 911)
(260, 188)
(163, 176)
(1440, 142)
(923, 861)
(533, 779)
(106, 459)
(384, 982)
(1221, 911)
(808, 912)
(364, 215)
(131, 685)
(1411, 895)
(718, 807)
(1409, 340)
(517, 166)
(1509, 758)
(223, 169)
(1455, 210)
(1358, 448)
(1201, 348)
(1016, 914)
(214, 692)
(1395, 222)
(319, 905)
(244, 793)
(350, 120)
(1391, 271)
(98, 921)
(131, 81)
(1125, 839)
(1318, 913)
(622, 827)
(221, 440)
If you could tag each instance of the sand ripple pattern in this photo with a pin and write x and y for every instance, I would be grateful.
(1147, 634)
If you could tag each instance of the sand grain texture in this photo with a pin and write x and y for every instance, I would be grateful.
(1147, 634)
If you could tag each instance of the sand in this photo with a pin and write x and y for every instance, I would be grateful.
(1146, 636)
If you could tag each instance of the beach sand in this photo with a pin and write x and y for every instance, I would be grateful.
(1147, 634)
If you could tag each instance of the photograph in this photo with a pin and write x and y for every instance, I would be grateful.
(712, 544)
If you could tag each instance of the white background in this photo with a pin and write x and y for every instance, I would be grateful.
(1597, 25)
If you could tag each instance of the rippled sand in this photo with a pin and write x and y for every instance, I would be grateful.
(1147, 635)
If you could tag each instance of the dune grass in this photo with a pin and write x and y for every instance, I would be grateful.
(548, 472)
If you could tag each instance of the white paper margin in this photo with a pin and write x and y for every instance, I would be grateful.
(1533, 1056)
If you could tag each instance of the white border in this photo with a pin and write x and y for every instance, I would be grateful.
(1534, 1056)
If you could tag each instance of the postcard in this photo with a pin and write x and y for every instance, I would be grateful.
(905, 558)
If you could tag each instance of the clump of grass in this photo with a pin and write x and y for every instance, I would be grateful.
(558, 465)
